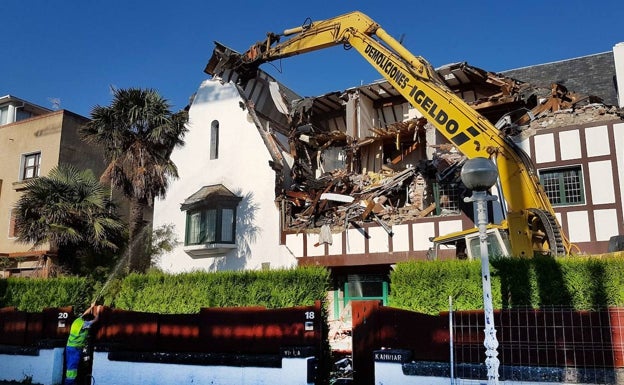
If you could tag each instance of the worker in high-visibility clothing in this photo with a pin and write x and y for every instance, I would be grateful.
(78, 334)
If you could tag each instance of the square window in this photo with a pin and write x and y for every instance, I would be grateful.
(563, 186)
(447, 197)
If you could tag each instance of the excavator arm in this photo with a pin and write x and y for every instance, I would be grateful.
(530, 219)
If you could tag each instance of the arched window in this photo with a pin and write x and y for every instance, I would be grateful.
(214, 139)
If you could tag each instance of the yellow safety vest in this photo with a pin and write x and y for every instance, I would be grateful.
(78, 333)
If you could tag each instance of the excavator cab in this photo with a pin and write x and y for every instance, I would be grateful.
(466, 244)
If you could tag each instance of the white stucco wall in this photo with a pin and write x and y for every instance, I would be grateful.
(601, 182)
(572, 147)
(45, 368)
(579, 230)
(598, 178)
(242, 166)
(421, 234)
(597, 140)
(106, 372)
(545, 148)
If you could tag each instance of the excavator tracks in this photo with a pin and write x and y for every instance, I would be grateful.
(545, 223)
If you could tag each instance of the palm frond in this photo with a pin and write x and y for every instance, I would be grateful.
(66, 207)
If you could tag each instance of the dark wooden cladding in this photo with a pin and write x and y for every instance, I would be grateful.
(49, 327)
(235, 330)
(224, 330)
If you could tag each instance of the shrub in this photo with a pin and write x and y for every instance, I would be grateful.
(187, 293)
(581, 283)
(35, 294)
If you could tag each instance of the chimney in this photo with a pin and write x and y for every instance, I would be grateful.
(618, 58)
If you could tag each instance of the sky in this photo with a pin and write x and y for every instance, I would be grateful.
(70, 53)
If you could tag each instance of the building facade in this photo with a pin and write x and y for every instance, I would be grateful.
(222, 207)
(580, 165)
(269, 179)
(34, 140)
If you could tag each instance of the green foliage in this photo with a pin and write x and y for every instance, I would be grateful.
(172, 294)
(582, 283)
(72, 211)
(67, 207)
(36, 294)
(137, 131)
(425, 287)
(163, 240)
(187, 293)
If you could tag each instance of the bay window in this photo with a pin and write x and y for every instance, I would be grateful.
(210, 221)
(210, 225)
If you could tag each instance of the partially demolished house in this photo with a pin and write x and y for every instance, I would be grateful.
(357, 180)
(365, 160)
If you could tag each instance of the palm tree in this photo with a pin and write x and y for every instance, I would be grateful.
(70, 210)
(138, 132)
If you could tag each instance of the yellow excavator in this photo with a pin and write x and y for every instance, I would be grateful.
(531, 226)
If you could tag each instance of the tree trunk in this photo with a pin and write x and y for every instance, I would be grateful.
(137, 248)
(52, 265)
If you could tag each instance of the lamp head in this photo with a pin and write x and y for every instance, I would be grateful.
(479, 174)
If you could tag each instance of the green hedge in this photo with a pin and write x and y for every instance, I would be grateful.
(425, 286)
(187, 293)
(35, 294)
(582, 283)
(172, 294)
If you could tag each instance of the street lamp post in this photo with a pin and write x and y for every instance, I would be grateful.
(479, 175)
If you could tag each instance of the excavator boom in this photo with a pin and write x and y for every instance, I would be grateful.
(531, 220)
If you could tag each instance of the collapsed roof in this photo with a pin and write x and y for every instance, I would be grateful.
(365, 154)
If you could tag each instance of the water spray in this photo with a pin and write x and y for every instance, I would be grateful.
(122, 261)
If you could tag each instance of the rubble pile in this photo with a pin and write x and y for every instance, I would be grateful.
(388, 197)
(593, 113)
(340, 198)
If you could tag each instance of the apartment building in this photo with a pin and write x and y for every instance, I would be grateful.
(34, 139)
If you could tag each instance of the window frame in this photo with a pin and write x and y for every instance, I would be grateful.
(452, 191)
(214, 140)
(563, 193)
(204, 228)
(4, 115)
(36, 167)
